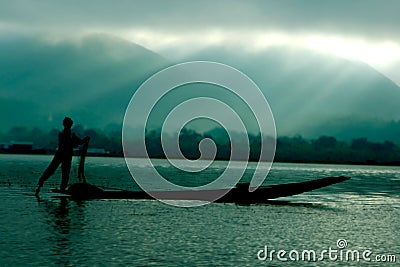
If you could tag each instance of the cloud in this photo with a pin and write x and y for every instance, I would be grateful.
(376, 52)
(365, 30)
(368, 18)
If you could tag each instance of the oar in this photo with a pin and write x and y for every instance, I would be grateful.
(81, 168)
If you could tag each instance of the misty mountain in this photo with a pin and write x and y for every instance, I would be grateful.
(315, 94)
(93, 78)
(90, 79)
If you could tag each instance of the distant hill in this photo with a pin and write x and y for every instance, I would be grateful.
(91, 79)
(314, 94)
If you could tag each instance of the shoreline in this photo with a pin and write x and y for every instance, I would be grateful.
(362, 163)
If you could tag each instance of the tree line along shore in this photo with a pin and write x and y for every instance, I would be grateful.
(296, 149)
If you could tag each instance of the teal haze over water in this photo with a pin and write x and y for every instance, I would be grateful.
(327, 69)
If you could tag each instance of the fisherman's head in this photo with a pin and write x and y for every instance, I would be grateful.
(67, 122)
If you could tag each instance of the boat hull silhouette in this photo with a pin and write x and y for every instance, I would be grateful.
(239, 194)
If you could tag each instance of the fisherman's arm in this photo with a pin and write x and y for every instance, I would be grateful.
(78, 140)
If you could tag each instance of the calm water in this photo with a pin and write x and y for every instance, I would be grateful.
(365, 211)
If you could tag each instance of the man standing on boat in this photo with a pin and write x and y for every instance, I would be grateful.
(66, 143)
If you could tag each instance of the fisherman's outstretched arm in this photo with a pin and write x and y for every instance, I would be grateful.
(78, 140)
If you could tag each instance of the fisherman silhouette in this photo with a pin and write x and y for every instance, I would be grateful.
(66, 143)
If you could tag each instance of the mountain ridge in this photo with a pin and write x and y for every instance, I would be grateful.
(93, 79)
(75, 78)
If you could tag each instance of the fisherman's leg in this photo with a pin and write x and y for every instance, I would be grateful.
(66, 168)
(48, 172)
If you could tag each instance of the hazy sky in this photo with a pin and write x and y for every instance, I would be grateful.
(364, 30)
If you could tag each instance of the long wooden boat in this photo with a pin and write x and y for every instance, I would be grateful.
(239, 194)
